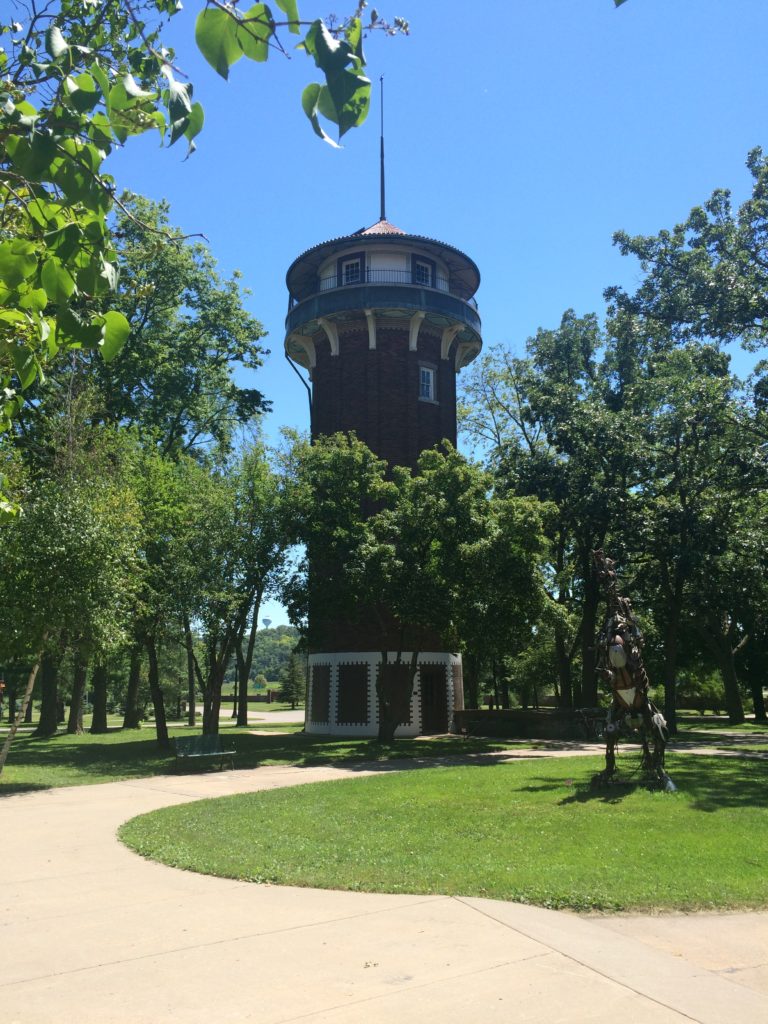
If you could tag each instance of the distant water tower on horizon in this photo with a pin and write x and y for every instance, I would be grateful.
(382, 320)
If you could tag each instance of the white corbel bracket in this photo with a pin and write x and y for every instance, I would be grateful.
(465, 353)
(331, 333)
(413, 339)
(310, 362)
(370, 316)
(449, 333)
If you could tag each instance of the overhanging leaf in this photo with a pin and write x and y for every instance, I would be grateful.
(310, 99)
(133, 89)
(25, 364)
(31, 158)
(216, 37)
(17, 262)
(116, 333)
(74, 331)
(348, 90)
(254, 32)
(35, 299)
(291, 10)
(179, 99)
(55, 43)
(196, 121)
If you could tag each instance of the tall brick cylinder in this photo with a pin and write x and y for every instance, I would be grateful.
(382, 321)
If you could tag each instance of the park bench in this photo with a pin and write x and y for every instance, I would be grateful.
(211, 748)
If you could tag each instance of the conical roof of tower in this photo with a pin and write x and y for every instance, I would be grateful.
(381, 227)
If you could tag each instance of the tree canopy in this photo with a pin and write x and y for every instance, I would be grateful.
(643, 441)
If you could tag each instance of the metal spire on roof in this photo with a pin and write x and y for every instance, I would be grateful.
(383, 215)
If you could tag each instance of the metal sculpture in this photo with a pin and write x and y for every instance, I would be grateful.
(632, 714)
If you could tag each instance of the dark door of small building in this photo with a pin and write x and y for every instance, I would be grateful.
(434, 699)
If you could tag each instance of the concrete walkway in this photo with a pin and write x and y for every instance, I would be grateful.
(93, 934)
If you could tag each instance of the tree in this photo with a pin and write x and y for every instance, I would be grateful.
(699, 473)
(79, 79)
(558, 426)
(167, 491)
(67, 568)
(272, 651)
(417, 559)
(174, 378)
(708, 276)
(704, 284)
(237, 546)
(293, 682)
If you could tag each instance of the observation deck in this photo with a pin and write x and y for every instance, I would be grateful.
(387, 276)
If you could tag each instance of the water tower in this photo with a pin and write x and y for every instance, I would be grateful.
(382, 320)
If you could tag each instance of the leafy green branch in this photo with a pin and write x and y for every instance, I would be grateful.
(79, 79)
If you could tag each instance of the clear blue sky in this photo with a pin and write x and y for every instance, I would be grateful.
(524, 133)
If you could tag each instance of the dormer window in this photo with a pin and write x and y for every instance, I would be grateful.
(422, 271)
(350, 269)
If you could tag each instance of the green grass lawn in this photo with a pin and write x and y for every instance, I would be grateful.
(528, 831)
(257, 707)
(82, 760)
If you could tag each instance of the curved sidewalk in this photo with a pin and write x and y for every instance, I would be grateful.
(94, 934)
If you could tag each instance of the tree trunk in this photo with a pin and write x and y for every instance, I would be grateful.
(719, 643)
(471, 681)
(219, 651)
(756, 686)
(189, 643)
(588, 696)
(212, 701)
(671, 635)
(12, 702)
(242, 683)
(79, 676)
(131, 714)
(215, 669)
(99, 686)
(245, 663)
(235, 692)
(22, 712)
(161, 726)
(563, 669)
(48, 723)
(733, 703)
(27, 713)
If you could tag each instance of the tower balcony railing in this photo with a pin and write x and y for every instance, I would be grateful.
(385, 276)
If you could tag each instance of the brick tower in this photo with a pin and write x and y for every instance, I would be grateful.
(383, 321)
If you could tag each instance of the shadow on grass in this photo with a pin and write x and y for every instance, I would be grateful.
(566, 744)
(14, 788)
(611, 793)
(708, 784)
(714, 739)
(74, 760)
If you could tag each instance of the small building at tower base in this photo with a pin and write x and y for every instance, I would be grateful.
(342, 700)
